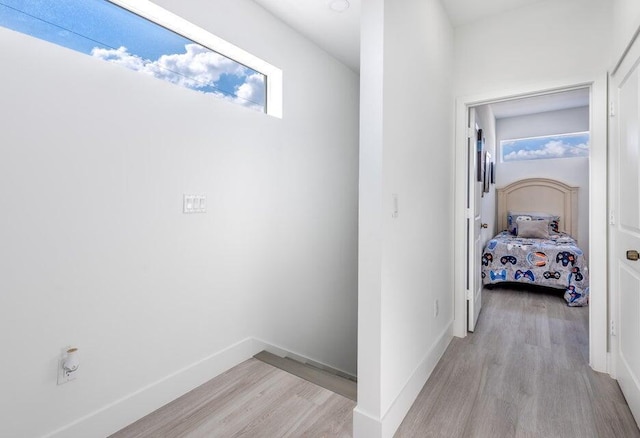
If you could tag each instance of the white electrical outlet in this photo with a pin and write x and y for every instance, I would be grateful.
(436, 308)
(62, 376)
(68, 365)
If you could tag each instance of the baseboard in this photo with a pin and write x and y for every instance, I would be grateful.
(114, 416)
(130, 408)
(398, 409)
(282, 352)
(365, 426)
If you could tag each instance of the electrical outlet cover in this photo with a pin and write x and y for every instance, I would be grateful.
(64, 377)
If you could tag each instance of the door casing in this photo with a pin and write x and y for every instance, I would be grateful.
(474, 218)
(598, 206)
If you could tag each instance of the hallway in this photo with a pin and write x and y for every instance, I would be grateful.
(523, 373)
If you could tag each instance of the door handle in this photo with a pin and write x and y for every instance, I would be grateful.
(633, 255)
(487, 225)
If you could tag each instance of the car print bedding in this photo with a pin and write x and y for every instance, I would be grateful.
(555, 262)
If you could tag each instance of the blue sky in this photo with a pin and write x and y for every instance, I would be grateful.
(99, 28)
(555, 146)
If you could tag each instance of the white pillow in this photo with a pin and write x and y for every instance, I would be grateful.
(512, 216)
(533, 228)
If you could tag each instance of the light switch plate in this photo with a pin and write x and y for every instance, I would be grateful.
(194, 203)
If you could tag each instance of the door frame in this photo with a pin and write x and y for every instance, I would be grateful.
(599, 358)
(474, 205)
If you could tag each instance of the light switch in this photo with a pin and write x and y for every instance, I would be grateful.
(194, 204)
(395, 212)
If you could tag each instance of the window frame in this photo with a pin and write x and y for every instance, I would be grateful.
(174, 23)
(502, 160)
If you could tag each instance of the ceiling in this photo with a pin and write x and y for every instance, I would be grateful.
(466, 11)
(338, 33)
(540, 104)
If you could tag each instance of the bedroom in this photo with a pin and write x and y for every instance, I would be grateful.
(542, 137)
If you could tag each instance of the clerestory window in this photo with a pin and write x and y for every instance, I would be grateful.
(143, 37)
(550, 146)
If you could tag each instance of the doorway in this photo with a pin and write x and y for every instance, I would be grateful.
(593, 93)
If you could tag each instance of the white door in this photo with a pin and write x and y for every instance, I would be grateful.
(625, 230)
(474, 207)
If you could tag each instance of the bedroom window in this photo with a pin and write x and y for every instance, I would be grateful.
(146, 38)
(546, 147)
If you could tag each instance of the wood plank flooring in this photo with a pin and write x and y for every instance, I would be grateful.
(254, 400)
(523, 373)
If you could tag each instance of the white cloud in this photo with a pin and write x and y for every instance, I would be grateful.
(552, 149)
(197, 68)
(250, 94)
(252, 91)
(119, 56)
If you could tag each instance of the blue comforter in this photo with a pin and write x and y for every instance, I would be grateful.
(555, 262)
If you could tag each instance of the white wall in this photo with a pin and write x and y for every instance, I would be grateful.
(96, 252)
(487, 122)
(313, 240)
(542, 46)
(545, 41)
(405, 262)
(626, 20)
(572, 171)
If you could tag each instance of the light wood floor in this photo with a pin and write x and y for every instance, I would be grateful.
(253, 400)
(523, 373)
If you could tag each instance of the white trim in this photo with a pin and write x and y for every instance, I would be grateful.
(461, 214)
(399, 408)
(278, 350)
(598, 227)
(367, 425)
(500, 147)
(130, 408)
(598, 327)
(612, 251)
(161, 16)
(625, 53)
(544, 136)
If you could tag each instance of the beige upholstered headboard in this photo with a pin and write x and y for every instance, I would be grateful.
(540, 195)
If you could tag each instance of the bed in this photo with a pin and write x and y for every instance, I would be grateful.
(538, 218)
